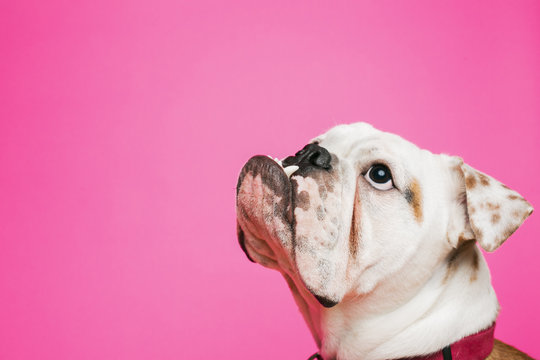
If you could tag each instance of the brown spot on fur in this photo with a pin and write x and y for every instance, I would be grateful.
(470, 182)
(414, 196)
(484, 180)
(323, 192)
(502, 351)
(475, 267)
(462, 239)
(302, 200)
(492, 206)
(495, 218)
(472, 209)
(513, 197)
(459, 255)
(325, 187)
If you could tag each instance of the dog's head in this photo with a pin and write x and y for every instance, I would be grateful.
(357, 205)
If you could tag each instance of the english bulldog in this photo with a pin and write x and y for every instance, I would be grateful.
(376, 239)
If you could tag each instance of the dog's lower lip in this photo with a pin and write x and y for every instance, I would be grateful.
(327, 303)
(276, 181)
(289, 170)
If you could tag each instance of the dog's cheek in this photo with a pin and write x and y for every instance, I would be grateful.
(316, 219)
(389, 237)
(322, 219)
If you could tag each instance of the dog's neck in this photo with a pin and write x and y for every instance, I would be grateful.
(394, 321)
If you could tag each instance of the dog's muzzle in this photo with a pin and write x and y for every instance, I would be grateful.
(302, 216)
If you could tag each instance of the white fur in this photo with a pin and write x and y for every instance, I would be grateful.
(398, 296)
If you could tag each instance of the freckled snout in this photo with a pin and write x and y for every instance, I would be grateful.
(303, 220)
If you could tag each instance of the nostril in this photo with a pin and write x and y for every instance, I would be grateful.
(311, 154)
(321, 158)
(313, 157)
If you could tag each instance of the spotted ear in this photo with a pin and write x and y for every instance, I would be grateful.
(494, 211)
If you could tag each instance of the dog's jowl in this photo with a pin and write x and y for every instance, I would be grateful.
(377, 240)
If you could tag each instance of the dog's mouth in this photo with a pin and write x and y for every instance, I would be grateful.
(292, 218)
(264, 208)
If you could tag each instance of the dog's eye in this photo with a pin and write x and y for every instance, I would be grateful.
(380, 177)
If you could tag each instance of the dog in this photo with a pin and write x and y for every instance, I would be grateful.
(376, 239)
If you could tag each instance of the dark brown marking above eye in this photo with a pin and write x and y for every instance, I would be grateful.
(413, 195)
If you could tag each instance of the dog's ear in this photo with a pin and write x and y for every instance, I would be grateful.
(490, 211)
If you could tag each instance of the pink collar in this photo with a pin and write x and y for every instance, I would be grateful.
(473, 347)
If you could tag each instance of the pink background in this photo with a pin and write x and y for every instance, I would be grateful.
(124, 125)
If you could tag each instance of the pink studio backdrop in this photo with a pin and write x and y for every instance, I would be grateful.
(124, 125)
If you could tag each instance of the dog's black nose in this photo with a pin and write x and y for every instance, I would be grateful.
(311, 155)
